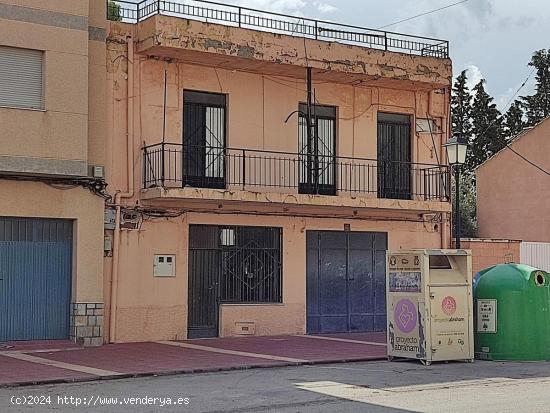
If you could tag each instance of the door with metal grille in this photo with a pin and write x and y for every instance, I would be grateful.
(35, 278)
(346, 275)
(394, 156)
(204, 139)
(204, 276)
(229, 264)
(317, 152)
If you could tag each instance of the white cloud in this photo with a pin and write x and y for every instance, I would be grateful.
(474, 75)
(324, 7)
(277, 6)
(503, 101)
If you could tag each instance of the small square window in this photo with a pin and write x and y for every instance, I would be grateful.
(228, 237)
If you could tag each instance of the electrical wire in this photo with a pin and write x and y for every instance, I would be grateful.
(517, 91)
(95, 185)
(508, 144)
(540, 168)
(423, 14)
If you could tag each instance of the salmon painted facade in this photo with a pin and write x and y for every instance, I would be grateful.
(235, 219)
(507, 186)
(52, 140)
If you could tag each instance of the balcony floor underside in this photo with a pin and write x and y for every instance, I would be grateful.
(199, 199)
(338, 72)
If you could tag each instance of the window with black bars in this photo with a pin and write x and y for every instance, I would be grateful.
(251, 265)
(204, 129)
(317, 152)
(248, 261)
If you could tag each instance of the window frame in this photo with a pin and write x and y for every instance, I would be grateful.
(42, 107)
(279, 282)
(321, 112)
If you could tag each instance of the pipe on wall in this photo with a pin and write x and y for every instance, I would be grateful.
(123, 195)
(446, 128)
(446, 124)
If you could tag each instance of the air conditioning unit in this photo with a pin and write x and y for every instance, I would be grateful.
(129, 219)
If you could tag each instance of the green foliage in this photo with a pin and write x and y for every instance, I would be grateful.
(468, 215)
(513, 120)
(476, 119)
(488, 137)
(113, 11)
(461, 105)
(538, 105)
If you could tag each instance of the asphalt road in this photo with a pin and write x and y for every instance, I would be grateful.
(355, 387)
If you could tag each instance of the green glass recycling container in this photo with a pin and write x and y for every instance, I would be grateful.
(512, 314)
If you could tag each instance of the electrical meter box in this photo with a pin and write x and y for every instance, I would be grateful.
(429, 305)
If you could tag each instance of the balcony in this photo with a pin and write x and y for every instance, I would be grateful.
(244, 17)
(174, 171)
(208, 33)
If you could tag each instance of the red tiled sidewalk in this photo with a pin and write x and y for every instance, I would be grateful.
(140, 358)
(309, 348)
(17, 372)
(126, 360)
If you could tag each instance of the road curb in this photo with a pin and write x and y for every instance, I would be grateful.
(186, 371)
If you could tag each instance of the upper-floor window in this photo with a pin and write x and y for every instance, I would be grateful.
(394, 156)
(317, 150)
(204, 139)
(21, 78)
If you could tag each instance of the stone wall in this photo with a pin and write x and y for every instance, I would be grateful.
(87, 323)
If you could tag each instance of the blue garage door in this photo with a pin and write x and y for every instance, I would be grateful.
(35, 278)
(346, 281)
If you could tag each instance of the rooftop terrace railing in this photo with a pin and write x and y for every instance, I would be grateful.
(244, 17)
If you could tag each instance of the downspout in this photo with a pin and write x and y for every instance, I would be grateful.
(445, 131)
(446, 124)
(123, 195)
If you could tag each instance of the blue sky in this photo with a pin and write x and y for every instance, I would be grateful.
(493, 39)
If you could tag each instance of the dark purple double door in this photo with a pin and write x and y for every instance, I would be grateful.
(346, 281)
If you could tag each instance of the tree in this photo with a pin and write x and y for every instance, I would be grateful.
(538, 105)
(461, 108)
(488, 137)
(468, 213)
(113, 11)
(461, 116)
(513, 120)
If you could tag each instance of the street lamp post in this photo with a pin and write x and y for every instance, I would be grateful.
(456, 154)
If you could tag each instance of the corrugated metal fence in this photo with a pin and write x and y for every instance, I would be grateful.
(536, 254)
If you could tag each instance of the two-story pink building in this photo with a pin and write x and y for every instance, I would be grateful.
(237, 215)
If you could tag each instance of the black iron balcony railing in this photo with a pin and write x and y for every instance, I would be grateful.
(278, 23)
(177, 165)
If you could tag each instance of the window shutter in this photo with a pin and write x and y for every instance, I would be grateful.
(21, 78)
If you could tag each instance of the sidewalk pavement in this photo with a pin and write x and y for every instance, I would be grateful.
(25, 363)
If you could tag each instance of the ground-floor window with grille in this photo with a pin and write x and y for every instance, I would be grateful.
(244, 264)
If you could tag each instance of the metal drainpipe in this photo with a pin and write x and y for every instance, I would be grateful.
(123, 195)
(445, 123)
